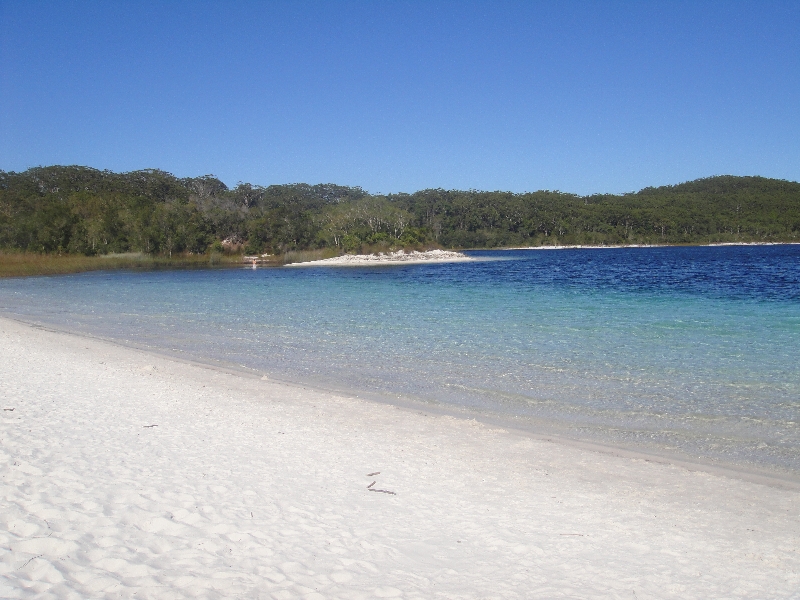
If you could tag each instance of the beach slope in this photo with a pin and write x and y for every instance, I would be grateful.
(125, 474)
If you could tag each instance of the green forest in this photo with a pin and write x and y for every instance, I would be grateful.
(80, 210)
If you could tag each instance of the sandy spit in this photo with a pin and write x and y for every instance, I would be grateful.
(126, 474)
(391, 258)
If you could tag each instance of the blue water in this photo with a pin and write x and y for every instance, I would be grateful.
(686, 351)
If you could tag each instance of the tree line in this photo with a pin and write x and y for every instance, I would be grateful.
(80, 210)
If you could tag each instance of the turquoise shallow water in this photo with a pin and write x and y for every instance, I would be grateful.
(689, 351)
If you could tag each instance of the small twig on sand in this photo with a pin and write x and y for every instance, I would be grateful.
(27, 561)
(148, 426)
(9, 409)
(371, 484)
(373, 474)
(384, 492)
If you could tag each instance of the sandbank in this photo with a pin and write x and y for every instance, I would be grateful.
(390, 258)
(127, 474)
(616, 246)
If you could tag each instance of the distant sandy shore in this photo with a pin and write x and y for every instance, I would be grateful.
(651, 246)
(389, 258)
(126, 474)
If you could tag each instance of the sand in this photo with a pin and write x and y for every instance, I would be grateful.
(617, 246)
(391, 258)
(126, 474)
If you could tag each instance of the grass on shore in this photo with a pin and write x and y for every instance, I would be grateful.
(23, 264)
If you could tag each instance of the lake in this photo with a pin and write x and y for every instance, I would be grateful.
(684, 351)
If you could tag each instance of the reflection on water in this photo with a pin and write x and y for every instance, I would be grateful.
(689, 349)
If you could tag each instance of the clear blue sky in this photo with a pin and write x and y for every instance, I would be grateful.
(399, 96)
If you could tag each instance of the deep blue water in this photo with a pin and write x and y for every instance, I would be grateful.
(691, 351)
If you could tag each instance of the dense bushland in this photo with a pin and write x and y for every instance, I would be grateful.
(79, 210)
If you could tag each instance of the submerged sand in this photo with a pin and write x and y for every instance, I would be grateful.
(125, 474)
(388, 258)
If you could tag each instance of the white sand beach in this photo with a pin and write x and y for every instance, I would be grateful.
(126, 474)
(618, 246)
(389, 258)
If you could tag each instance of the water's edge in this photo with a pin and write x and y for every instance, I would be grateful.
(514, 426)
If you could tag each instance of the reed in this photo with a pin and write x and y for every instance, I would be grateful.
(24, 264)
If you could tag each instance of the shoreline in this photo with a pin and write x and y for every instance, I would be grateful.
(211, 484)
(454, 256)
(617, 246)
(16, 264)
(532, 429)
(391, 258)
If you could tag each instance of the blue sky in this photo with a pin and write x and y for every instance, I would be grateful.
(399, 96)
